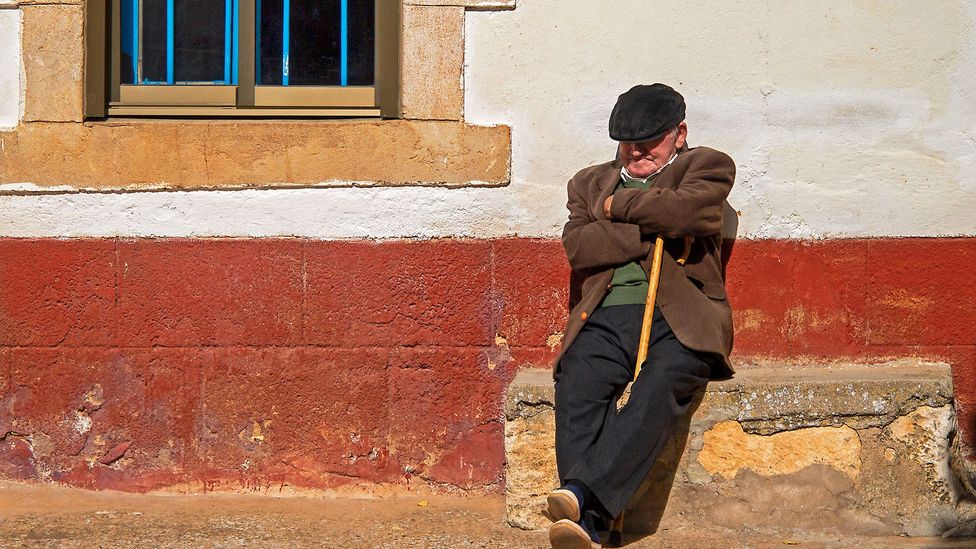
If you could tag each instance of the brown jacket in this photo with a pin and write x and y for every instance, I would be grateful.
(687, 198)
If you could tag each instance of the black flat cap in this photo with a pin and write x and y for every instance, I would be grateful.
(644, 113)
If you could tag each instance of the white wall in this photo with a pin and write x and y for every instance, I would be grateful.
(853, 118)
(10, 97)
(846, 119)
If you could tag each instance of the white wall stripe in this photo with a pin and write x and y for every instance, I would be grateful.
(844, 122)
(10, 96)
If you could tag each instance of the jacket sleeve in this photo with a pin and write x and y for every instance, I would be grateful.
(693, 207)
(594, 244)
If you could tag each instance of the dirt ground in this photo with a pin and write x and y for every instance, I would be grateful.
(54, 516)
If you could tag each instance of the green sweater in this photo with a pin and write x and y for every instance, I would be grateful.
(629, 284)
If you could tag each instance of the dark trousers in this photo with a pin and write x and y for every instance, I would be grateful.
(608, 451)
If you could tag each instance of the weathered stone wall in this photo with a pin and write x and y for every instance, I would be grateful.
(265, 362)
(173, 361)
(857, 449)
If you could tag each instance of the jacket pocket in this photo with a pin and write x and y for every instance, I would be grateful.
(711, 288)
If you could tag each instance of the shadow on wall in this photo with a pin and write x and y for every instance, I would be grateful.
(730, 231)
(643, 514)
(646, 508)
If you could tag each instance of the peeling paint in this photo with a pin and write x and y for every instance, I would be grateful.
(82, 422)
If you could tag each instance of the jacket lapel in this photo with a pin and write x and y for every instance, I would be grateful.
(606, 184)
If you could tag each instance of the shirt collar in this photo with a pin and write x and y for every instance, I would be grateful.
(625, 175)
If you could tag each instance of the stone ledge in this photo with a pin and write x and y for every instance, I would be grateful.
(149, 154)
(25, 3)
(468, 4)
(863, 449)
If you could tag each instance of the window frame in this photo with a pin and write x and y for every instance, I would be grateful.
(105, 95)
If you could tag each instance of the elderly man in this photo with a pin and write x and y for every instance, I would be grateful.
(658, 185)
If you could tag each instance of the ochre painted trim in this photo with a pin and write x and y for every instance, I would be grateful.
(120, 154)
(315, 96)
(231, 112)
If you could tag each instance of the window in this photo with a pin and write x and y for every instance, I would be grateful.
(243, 57)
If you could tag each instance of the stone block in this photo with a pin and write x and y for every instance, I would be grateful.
(298, 416)
(908, 307)
(469, 4)
(235, 154)
(76, 406)
(432, 62)
(410, 293)
(55, 292)
(210, 292)
(53, 56)
(812, 293)
(727, 449)
(522, 267)
(860, 449)
(445, 424)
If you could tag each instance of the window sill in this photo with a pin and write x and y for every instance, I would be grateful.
(153, 153)
(233, 112)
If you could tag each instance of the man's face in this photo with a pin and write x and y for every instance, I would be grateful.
(646, 157)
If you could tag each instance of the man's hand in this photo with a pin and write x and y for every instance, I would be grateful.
(606, 206)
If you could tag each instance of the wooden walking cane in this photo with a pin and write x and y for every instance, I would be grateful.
(653, 280)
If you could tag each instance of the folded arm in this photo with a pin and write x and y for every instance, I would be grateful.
(594, 244)
(694, 207)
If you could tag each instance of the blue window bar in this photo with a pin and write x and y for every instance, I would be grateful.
(297, 42)
(170, 42)
(285, 39)
(344, 42)
(321, 43)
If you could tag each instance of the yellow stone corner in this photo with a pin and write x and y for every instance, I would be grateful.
(728, 449)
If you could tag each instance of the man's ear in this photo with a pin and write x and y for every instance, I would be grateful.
(679, 140)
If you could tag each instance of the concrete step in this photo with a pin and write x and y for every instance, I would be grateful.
(859, 449)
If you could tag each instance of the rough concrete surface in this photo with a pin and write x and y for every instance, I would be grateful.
(859, 449)
(50, 516)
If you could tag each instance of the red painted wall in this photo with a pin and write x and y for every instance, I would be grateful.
(138, 364)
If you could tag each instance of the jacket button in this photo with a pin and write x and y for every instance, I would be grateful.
(583, 315)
